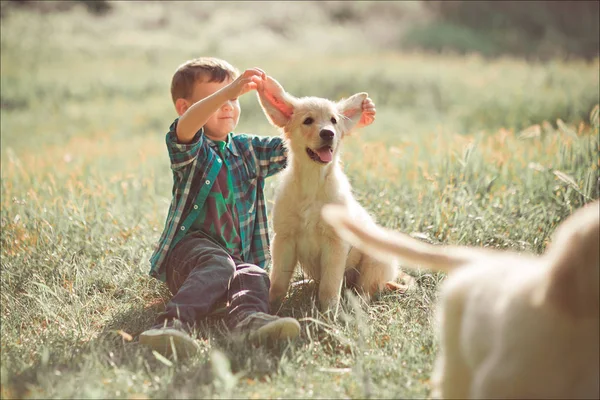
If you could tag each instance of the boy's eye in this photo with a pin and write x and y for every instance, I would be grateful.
(234, 99)
(333, 120)
(308, 121)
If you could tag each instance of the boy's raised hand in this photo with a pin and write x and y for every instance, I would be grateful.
(246, 82)
(368, 113)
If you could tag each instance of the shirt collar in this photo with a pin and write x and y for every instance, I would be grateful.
(230, 146)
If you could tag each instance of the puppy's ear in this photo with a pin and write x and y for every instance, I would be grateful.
(275, 102)
(351, 109)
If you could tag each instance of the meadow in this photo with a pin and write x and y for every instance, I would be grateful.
(465, 150)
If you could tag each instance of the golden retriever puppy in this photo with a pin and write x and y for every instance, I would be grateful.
(511, 326)
(313, 130)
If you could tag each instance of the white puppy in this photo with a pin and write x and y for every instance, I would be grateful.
(313, 129)
(512, 326)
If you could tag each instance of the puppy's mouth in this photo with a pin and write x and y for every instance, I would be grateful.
(322, 155)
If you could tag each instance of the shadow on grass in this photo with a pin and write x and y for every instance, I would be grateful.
(116, 347)
(249, 361)
(67, 353)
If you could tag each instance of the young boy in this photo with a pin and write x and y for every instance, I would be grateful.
(215, 244)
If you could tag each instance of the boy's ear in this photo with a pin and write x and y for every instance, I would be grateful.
(275, 102)
(351, 108)
(181, 106)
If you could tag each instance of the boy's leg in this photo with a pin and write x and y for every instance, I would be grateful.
(248, 307)
(198, 274)
(248, 293)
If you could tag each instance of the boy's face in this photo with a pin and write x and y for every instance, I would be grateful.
(226, 118)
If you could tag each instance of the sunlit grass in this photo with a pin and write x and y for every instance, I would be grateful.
(463, 151)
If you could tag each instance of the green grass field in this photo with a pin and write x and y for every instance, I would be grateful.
(464, 151)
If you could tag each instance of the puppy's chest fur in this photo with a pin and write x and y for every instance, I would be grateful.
(297, 214)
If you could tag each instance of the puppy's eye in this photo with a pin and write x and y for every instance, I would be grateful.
(308, 121)
(333, 120)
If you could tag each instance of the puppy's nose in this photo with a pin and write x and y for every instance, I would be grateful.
(326, 134)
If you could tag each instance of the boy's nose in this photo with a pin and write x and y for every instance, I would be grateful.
(326, 134)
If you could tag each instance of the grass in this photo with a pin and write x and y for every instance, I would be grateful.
(464, 151)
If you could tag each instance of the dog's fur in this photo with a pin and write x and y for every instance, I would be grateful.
(512, 326)
(312, 178)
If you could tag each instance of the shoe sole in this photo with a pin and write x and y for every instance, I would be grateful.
(281, 329)
(165, 340)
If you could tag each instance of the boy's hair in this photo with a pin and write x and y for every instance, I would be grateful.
(190, 72)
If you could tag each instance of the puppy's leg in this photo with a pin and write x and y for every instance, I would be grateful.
(375, 276)
(333, 265)
(451, 378)
(284, 263)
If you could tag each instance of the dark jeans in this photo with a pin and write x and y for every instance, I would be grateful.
(201, 275)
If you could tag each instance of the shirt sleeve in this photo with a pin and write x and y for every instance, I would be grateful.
(271, 154)
(182, 154)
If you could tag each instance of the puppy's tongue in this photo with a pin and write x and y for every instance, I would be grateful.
(325, 153)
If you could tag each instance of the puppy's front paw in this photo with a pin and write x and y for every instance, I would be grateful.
(276, 295)
(329, 305)
(275, 306)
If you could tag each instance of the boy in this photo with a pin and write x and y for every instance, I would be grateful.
(215, 243)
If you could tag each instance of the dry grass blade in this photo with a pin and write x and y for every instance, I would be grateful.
(126, 336)
(566, 179)
(162, 358)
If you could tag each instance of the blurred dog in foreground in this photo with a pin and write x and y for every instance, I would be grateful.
(313, 129)
(511, 326)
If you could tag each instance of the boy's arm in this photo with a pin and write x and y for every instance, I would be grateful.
(196, 116)
(182, 154)
(270, 153)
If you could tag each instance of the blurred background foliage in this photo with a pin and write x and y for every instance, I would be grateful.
(531, 29)
(463, 65)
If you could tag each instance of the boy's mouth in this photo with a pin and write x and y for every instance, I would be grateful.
(322, 155)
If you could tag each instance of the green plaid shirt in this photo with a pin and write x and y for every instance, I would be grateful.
(195, 167)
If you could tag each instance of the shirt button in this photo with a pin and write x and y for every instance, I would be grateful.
(207, 182)
(183, 228)
(219, 160)
(195, 206)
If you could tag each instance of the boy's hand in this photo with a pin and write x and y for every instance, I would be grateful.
(368, 113)
(246, 82)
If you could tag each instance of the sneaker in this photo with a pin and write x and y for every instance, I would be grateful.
(262, 328)
(173, 336)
